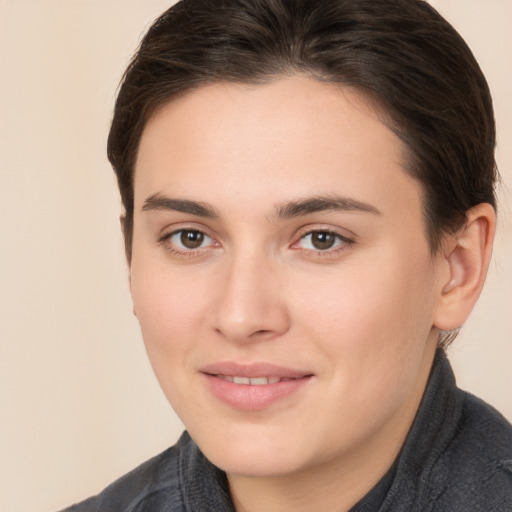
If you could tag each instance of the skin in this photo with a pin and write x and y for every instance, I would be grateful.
(361, 317)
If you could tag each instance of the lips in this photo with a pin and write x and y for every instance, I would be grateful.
(253, 387)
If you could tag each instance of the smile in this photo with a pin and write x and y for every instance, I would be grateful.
(254, 387)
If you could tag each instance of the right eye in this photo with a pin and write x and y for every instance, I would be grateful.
(186, 241)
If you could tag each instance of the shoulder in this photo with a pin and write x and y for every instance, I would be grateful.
(474, 472)
(489, 432)
(153, 486)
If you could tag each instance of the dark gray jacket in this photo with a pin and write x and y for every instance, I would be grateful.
(456, 458)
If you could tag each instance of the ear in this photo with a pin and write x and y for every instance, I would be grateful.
(122, 221)
(467, 254)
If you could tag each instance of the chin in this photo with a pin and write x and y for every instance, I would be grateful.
(250, 454)
(257, 465)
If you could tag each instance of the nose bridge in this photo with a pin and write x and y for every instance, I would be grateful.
(250, 305)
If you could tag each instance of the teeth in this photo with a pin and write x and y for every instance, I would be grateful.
(241, 380)
(253, 381)
(258, 381)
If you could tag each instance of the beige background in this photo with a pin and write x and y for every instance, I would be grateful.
(79, 405)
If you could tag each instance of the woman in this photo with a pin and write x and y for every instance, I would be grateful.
(309, 204)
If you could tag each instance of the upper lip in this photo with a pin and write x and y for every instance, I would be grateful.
(253, 370)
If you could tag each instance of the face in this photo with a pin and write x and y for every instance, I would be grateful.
(281, 274)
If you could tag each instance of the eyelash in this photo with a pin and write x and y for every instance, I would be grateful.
(165, 240)
(342, 243)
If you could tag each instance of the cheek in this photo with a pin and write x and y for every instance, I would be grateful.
(170, 311)
(361, 302)
(171, 319)
(373, 326)
(370, 318)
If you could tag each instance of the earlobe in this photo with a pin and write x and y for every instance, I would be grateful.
(468, 259)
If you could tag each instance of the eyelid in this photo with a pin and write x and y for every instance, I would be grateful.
(343, 233)
(171, 229)
(346, 241)
(165, 239)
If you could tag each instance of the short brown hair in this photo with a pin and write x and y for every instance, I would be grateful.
(402, 53)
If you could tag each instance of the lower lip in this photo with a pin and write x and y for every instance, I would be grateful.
(249, 397)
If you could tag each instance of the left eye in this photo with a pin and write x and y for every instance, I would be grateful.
(321, 240)
(190, 239)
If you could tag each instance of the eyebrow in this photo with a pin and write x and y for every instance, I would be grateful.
(288, 210)
(159, 202)
(317, 204)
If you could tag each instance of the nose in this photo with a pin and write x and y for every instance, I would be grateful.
(250, 304)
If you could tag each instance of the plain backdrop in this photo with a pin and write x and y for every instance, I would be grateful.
(79, 405)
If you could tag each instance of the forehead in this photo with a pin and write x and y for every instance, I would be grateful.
(290, 137)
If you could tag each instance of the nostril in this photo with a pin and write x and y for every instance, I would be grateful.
(261, 332)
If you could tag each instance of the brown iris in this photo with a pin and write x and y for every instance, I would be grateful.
(322, 240)
(191, 239)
